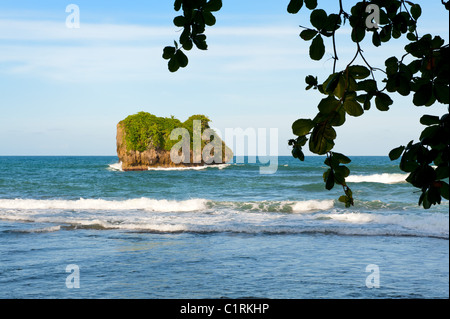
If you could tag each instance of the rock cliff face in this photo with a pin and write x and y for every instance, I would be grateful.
(141, 157)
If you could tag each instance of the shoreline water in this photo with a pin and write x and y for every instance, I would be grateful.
(215, 233)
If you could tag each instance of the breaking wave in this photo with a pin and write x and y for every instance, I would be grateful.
(115, 167)
(206, 216)
(108, 205)
(118, 167)
(378, 178)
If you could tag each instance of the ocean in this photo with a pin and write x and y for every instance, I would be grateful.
(79, 227)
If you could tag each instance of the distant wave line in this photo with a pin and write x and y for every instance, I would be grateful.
(243, 229)
(384, 178)
(118, 167)
(163, 205)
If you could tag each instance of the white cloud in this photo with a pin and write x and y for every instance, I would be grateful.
(108, 52)
(118, 52)
(26, 30)
(73, 64)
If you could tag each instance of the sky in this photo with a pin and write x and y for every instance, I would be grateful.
(63, 90)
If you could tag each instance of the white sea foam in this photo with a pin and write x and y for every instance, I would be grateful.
(50, 229)
(278, 206)
(116, 167)
(201, 215)
(378, 178)
(433, 224)
(312, 205)
(352, 218)
(193, 168)
(101, 204)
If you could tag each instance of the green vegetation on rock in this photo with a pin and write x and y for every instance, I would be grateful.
(144, 130)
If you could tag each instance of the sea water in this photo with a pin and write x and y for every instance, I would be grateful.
(80, 227)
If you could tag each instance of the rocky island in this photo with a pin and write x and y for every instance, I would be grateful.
(145, 141)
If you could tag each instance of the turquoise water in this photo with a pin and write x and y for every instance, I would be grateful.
(225, 232)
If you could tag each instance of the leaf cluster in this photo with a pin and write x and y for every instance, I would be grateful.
(197, 14)
(428, 160)
(353, 91)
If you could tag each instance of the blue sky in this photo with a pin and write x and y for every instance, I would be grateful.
(62, 91)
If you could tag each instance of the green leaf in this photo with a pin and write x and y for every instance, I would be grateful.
(442, 172)
(391, 65)
(429, 120)
(367, 102)
(318, 18)
(210, 19)
(174, 65)
(188, 45)
(200, 42)
(358, 34)
(367, 85)
(333, 23)
(295, 6)
(341, 158)
(408, 165)
(383, 101)
(396, 153)
(213, 5)
(328, 104)
(302, 127)
(179, 21)
(444, 190)
(182, 59)
(311, 81)
(430, 132)
(358, 71)
(322, 139)
(311, 4)
(441, 91)
(330, 180)
(403, 84)
(411, 36)
(415, 66)
(423, 94)
(317, 48)
(376, 39)
(185, 36)
(337, 118)
(426, 201)
(340, 173)
(177, 5)
(386, 33)
(168, 53)
(434, 195)
(343, 199)
(416, 11)
(331, 83)
(353, 108)
(308, 34)
(298, 153)
(343, 86)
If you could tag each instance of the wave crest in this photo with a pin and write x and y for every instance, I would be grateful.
(378, 178)
(108, 205)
